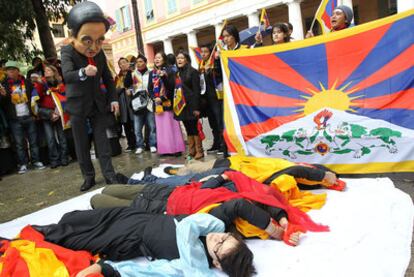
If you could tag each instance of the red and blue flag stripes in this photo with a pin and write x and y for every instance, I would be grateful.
(371, 65)
(324, 13)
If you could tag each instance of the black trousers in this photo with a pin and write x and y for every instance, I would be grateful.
(191, 127)
(99, 123)
(130, 133)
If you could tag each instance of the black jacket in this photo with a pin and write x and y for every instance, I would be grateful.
(212, 78)
(84, 97)
(190, 80)
(126, 233)
(169, 83)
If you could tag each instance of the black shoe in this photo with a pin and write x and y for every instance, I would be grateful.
(121, 178)
(147, 171)
(129, 149)
(87, 184)
(53, 166)
(64, 163)
(111, 181)
(213, 149)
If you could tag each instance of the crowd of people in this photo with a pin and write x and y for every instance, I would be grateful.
(189, 219)
(152, 103)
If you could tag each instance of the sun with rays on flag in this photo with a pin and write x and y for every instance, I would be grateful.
(335, 98)
(347, 95)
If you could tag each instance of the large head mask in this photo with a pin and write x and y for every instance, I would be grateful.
(88, 26)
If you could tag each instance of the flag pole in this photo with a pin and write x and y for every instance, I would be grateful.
(314, 18)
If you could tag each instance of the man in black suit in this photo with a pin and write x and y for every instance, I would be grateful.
(84, 67)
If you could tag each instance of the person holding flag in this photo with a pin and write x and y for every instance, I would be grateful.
(51, 98)
(210, 70)
(332, 19)
(280, 34)
(186, 104)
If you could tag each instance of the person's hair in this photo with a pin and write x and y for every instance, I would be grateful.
(170, 59)
(142, 57)
(36, 59)
(206, 45)
(284, 29)
(119, 60)
(186, 56)
(122, 58)
(56, 74)
(164, 57)
(239, 262)
(232, 30)
(290, 26)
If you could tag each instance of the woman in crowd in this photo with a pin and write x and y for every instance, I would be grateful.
(231, 38)
(126, 112)
(187, 102)
(280, 34)
(144, 115)
(51, 93)
(161, 88)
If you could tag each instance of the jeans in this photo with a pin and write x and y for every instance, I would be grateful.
(55, 156)
(177, 180)
(24, 128)
(147, 119)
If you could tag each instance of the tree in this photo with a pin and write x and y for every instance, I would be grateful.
(18, 20)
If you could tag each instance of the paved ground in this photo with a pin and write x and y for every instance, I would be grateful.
(35, 190)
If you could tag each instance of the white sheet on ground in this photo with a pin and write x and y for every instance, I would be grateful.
(371, 232)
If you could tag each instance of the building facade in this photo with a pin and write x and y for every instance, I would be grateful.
(170, 25)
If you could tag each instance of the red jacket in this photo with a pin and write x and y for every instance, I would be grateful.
(191, 198)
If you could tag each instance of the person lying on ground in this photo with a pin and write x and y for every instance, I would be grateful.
(205, 195)
(285, 176)
(199, 244)
(124, 233)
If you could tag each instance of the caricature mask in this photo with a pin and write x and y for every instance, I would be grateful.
(88, 25)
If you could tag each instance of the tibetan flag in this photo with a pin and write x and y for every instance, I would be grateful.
(59, 98)
(220, 43)
(344, 100)
(324, 13)
(264, 19)
(197, 54)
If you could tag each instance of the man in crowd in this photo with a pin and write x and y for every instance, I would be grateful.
(341, 18)
(15, 97)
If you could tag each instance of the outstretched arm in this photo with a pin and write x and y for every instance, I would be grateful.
(246, 210)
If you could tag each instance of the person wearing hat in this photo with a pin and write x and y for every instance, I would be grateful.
(15, 100)
(341, 18)
(85, 71)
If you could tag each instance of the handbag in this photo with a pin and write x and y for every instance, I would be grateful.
(140, 100)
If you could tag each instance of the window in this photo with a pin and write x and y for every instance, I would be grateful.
(58, 30)
(392, 7)
(172, 6)
(149, 11)
(126, 18)
(123, 19)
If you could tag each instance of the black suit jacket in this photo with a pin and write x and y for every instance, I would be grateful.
(84, 97)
